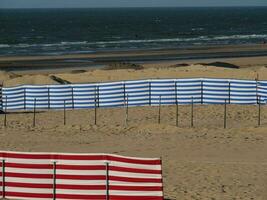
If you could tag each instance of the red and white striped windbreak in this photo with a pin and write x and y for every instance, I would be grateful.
(79, 176)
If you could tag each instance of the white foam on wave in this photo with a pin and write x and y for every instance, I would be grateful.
(22, 45)
(200, 38)
(252, 36)
(103, 44)
(147, 41)
(4, 45)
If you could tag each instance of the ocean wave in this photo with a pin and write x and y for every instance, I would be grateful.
(200, 38)
(103, 44)
(253, 36)
(23, 45)
(4, 45)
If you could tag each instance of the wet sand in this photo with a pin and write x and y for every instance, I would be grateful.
(102, 59)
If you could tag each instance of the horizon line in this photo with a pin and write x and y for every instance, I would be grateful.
(123, 7)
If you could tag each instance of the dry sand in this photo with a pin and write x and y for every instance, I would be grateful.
(204, 162)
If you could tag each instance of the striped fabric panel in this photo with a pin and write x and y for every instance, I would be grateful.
(80, 176)
(134, 93)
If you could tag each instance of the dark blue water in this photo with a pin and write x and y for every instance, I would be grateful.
(62, 31)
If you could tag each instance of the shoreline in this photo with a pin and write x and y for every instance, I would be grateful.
(183, 50)
(101, 59)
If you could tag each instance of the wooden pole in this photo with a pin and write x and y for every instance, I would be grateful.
(64, 112)
(34, 112)
(159, 119)
(98, 98)
(95, 112)
(201, 91)
(1, 94)
(259, 111)
(192, 112)
(3, 179)
(177, 113)
(127, 103)
(126, 110)
(54, 180)
(225, 114)
(107, 181)
(257, 100)
(177, 105)
(72, 98)
(149, 91)
(48, 93)
(24, 93)
(96, 105)
(5, 119)
(124, 91)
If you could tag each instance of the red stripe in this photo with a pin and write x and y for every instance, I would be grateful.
(81, 187)
(134, 170)
(112, 178)
(135, 188)
(29, 185)
(81, 177)
(53, 156)
(30, 166)
(82, 167)
(27, 156)
(141, 180)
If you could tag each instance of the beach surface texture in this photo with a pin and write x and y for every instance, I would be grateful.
(205, 161)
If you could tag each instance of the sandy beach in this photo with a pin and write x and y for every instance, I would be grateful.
(201, 162)
(240, 68)
(243, 55)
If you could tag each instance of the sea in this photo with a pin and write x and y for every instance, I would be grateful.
(76, 31)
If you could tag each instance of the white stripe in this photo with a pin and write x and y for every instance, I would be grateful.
(58, 191)
(29, 171)
(79, 182)
(81, 192)
(29, 198)
(134, 175)
(83, 162)
(117, 183)
(29, 190)
(59, 181)
(136, 193)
